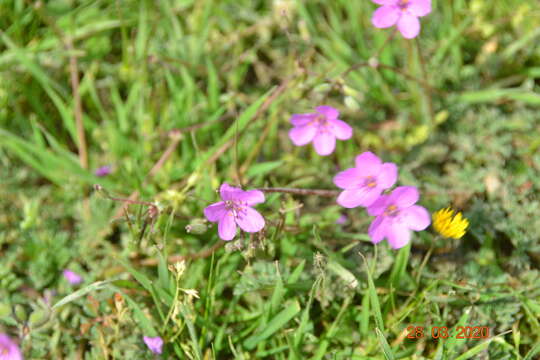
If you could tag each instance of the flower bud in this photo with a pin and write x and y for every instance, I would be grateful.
(20, 313)
(197, 226)
(38, 318)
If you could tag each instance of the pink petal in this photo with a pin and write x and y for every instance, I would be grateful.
(72, 277)
(227, 227)
(404, 196)
(215, 211)
(11, 348)
(329, 112)
(388, 175)
(408, 25)
(378, 206)
(302, 135)
(324, 143)
(251, 197)
(350, 178)
(419, 7)
(250, 220)
(228, 192)
(302, 119)
(398, 235)
(385, 2)
(364, 196)
(340, 129)
(385, 16)
(377, 229)
(368, 164)
(155, 344)
(415, 217)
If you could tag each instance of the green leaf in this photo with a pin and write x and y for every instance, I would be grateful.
(387, 351)
(96, 286)
(274, 325)
(374, 299)
(452, 341)
(400, 265)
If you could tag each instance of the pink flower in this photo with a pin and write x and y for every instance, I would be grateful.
(155, 344)
(235, 209)
(396, 215)
(364, 183)
(322, 127)
(404, 13)
(342, 219)
(103, 171)
(9, 350)
(72, 277)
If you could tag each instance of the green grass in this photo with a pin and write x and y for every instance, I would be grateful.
(456, 109)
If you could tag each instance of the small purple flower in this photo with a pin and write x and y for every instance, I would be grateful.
(396, 215)
(9, 350)
(103, 171)
(364, 183)
(235, 209)
(322, 127)
(155, 344)
(342, 219)
(72, 277)
(404, 13)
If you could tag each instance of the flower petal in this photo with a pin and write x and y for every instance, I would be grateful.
(364, 196)
(227, 227)
(250, 220)
(404, 196)
(385, 16)
(419, 7)
(228, 192)
(11, 348)
(408, 25)
(215, 211)
(347, 179)
(368, 164)
(329, 112)
(377, 229)
(251, 197)
(324, 143)
(302, 119)
(385, 2)
(155, 344)
(378, 206)
(415, 217)
(398, 235)
(301, 135)
(387, 176)
(340, 129)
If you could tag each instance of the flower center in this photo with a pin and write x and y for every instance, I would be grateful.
(403, 4)
(370, 182)
(391, 210)
(4, 350)
(322, 123)
(237, 208)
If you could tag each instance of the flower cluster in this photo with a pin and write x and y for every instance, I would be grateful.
(395, 214)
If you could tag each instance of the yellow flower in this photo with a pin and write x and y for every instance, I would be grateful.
(449, 225)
